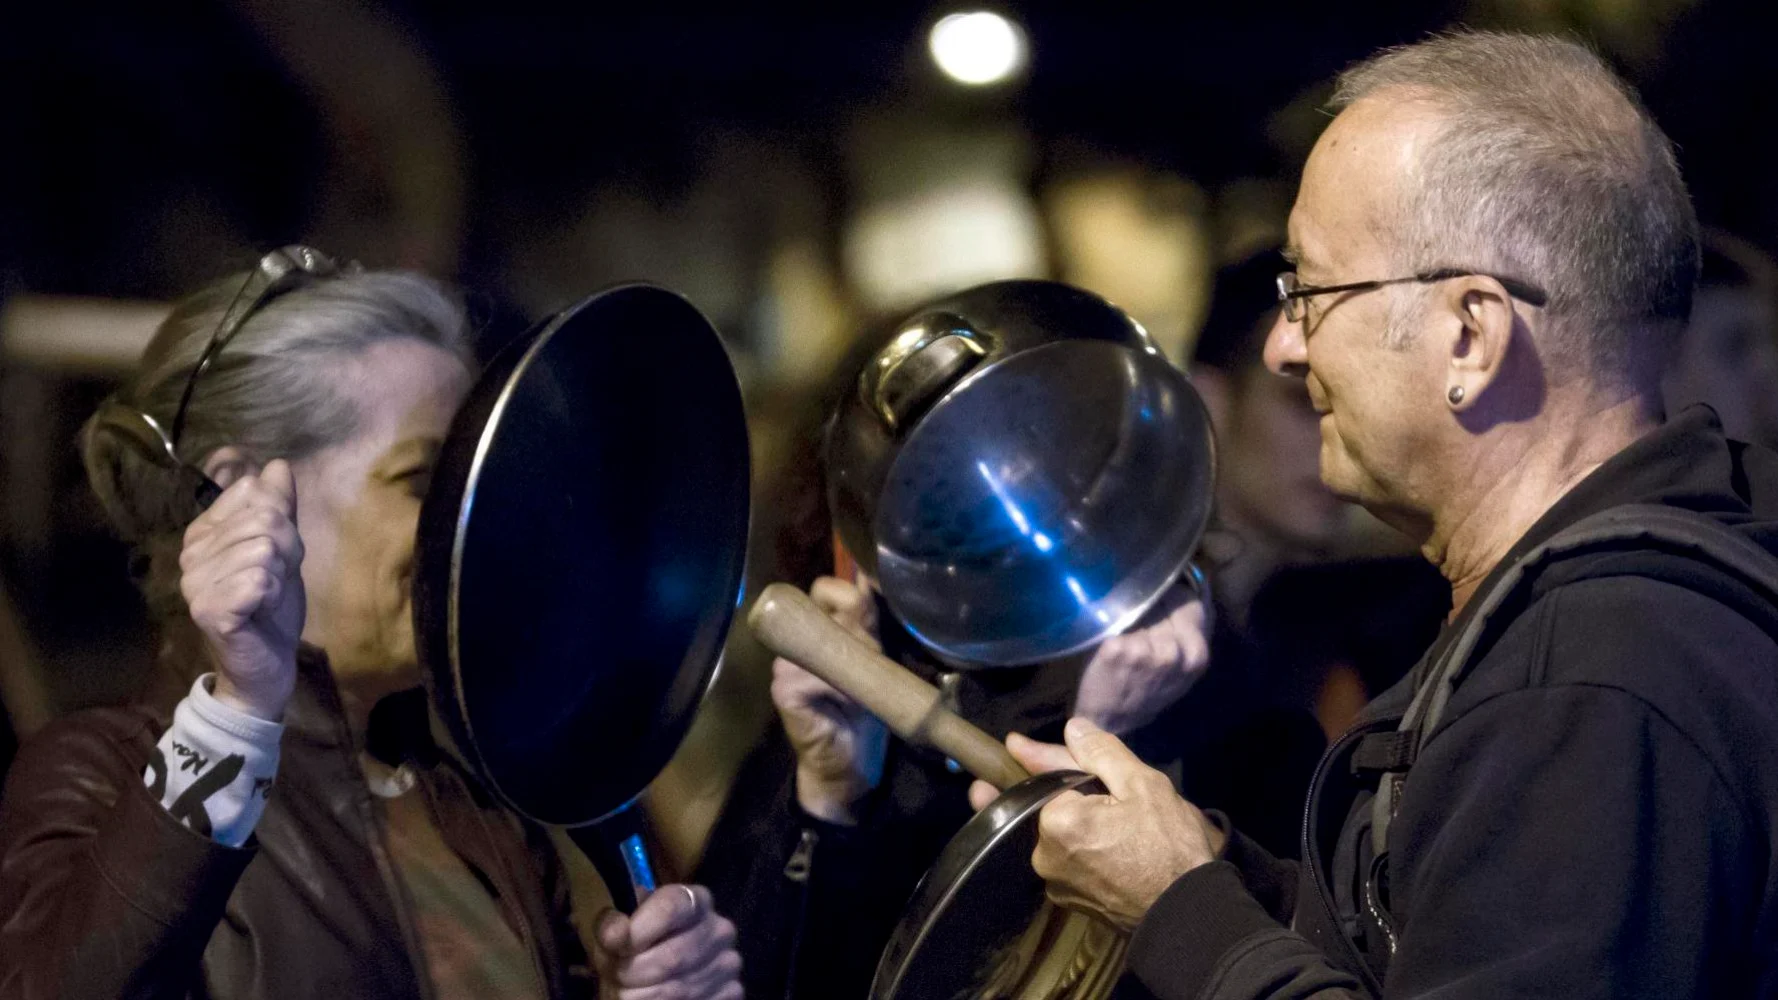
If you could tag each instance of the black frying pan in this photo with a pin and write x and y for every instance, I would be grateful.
(579, 560)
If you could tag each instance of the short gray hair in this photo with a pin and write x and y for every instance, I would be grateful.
(273, 391)
(1545, 167)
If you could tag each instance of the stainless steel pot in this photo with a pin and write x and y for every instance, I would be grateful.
(1022, 472)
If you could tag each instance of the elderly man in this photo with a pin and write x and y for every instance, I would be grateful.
(1494, 252)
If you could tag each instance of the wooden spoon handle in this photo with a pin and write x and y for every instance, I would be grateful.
(790, 625)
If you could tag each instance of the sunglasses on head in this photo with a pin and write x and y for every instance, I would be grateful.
(280, 271)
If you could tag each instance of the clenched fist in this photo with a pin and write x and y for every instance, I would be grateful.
(1131, 678)
(241, 575)
(839, 746)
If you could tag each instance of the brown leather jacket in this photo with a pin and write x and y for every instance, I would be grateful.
(103, 894)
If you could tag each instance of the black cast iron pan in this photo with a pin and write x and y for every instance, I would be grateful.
(579, 561)
(978, 926)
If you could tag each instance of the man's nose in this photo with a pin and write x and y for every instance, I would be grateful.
(1286, 353)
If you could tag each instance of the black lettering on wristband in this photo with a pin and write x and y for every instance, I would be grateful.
(189, 807)
(157, 766)
(193, 763)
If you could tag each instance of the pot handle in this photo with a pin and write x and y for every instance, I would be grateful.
(788, 623)
(919, 364)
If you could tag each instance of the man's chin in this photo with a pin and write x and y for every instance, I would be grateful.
(1341, 478)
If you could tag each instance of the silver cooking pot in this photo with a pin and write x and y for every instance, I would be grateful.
(1022, 472)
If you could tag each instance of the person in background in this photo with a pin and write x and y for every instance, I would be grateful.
(281, 822)
(1728, 356)
(1272, 510)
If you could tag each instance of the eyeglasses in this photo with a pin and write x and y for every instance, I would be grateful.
(1292, 295)
(278, 272)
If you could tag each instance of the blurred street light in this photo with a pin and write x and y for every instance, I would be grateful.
(977, 48)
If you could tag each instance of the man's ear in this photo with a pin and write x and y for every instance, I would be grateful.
(1218, 393)
(1482, 334)
(227, 464)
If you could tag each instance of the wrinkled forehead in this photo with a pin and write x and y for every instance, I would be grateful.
(1354, 184)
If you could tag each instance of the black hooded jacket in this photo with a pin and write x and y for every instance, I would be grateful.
(1596, 814)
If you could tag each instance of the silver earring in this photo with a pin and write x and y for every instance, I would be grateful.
(1455, 395)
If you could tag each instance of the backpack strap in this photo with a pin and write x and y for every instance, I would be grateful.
(1629, 527)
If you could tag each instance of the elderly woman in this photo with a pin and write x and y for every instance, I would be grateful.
(289, 828)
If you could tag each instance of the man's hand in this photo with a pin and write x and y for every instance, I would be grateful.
(674, 947)
(241, 575)
(839, 746)
(1133, 677)
(1111, 854)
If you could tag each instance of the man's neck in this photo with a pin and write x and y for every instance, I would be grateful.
(1518, 478)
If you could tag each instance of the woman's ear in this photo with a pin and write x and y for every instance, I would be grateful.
(227, 464)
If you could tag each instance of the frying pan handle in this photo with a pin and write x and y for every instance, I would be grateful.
(615, 847)
(1193, 576)
(790, 625)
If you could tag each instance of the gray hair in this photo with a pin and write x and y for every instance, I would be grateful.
(272, 392)
(1545, 167)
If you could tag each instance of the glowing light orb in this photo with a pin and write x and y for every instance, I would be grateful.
(977, 48)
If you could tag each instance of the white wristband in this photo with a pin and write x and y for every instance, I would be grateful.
(214, 766)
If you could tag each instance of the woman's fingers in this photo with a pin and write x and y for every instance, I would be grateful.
(703, 954)
(667, 911)
(227, 605)
(248, 523)
(839, 598)
(248, 492)
(848, 604)
(719, 979)
(613, 932)
(793, 687)
(246, 509)
(280, 478)
(247, 554)
(674, 945)
(239, 553)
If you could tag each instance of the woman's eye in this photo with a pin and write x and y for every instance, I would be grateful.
(417, 481)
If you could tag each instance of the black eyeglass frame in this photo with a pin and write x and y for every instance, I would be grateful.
(1292, 296)
(280, 271)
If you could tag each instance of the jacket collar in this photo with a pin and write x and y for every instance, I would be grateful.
(399, 729)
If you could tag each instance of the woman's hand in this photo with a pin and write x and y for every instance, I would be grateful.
(241, 574)
(674, 947)
(839, 746)
(1131, 678)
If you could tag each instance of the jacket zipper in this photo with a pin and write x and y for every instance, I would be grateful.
(1310, 808)
(399, 900)
(798, 870)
